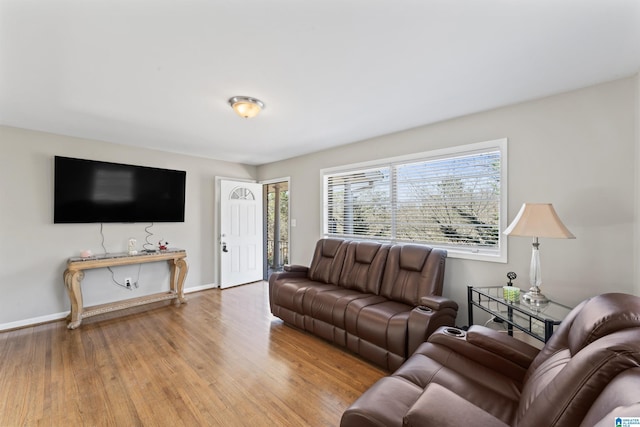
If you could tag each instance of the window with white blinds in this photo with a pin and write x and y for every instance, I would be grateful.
(454, 199)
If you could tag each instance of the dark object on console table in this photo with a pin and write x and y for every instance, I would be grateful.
(586, 375)
(379, 301)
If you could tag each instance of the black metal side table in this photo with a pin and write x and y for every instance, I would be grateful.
(538, 322)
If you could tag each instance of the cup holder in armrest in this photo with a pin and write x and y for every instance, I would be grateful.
(424, 308)
(454, 332)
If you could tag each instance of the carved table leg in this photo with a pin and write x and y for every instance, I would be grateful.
(179, 270)
(72, 279)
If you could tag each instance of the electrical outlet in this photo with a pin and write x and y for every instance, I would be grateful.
(127, 282)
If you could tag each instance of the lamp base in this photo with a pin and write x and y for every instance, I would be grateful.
(534, 297)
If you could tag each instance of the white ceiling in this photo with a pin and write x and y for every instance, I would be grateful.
(158, 73)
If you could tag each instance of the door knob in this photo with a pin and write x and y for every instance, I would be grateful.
(224, 247)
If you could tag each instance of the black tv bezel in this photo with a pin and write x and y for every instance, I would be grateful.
(59, 218)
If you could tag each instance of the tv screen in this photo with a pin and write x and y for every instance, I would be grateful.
(91, 191)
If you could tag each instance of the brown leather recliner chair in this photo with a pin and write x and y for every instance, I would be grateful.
(586, 375)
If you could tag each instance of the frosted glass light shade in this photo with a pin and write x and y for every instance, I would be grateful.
(246, 106)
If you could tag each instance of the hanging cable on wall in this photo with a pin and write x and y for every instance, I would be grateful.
(148, 246)
(113, 275)
(102, 241)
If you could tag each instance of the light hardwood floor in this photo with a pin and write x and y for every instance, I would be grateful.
(219, 360)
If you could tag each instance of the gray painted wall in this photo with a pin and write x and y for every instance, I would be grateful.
(34, 250)
(575, 150)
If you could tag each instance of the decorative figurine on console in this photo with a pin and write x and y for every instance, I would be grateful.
(163, 247)
(131, 246)
(86, 253)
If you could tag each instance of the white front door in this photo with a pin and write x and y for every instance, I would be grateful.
(241, 233)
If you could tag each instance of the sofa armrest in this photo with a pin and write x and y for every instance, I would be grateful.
(433, 313)
(290, 271)
(499, 343)
(493, 349)
(294, 268)
(434, 408)
(435, 302)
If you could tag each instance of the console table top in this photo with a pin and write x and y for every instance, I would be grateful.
(124, 258)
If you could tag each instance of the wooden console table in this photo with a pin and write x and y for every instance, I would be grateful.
(74, 274)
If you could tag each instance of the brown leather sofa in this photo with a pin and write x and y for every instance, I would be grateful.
(379, 301)
(586, 375)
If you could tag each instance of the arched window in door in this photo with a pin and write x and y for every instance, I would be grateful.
(242, 193)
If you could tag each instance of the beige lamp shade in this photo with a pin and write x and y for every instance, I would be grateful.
(538, 220)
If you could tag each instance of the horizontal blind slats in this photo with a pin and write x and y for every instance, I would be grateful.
(451, 201)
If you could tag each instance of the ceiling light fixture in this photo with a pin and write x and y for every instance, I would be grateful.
(246, 106)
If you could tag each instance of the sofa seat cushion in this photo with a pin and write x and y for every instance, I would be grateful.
(330, 304)
(384, 404)
(290, 293)
(383, 324)
(433, 408)
(487, 389)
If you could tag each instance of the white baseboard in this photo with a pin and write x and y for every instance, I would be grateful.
(33, 321)
(201, 288)
(57, 316)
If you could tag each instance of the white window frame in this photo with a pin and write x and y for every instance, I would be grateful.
(474, 253)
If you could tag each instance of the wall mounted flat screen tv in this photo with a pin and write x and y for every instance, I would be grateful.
(87, 191)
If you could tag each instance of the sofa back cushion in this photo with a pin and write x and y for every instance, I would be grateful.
(328, 257)
(363, 266)
(620, 398)
(601, 316)
(411, 272)
(597, 341)
(588, 321)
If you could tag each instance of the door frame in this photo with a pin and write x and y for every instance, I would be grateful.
(217, 226)
(286, 179)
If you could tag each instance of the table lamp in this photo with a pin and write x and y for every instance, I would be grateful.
(537, 220)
